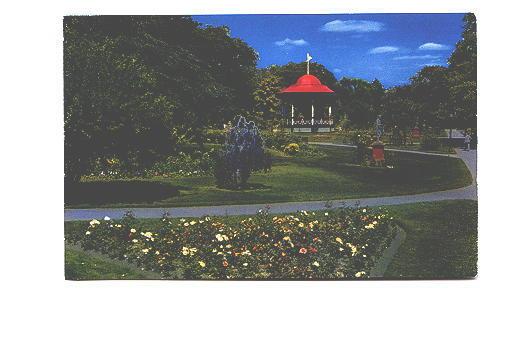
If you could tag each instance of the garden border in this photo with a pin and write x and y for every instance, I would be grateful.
(378, 271)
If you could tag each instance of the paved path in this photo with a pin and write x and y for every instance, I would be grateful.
(469, 192)
(387, 149)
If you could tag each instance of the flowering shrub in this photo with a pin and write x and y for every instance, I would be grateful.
(279, 140)
(180, 165)
(184, 165)
(291, 148)
(342, 243)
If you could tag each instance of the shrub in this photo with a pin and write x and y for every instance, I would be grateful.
(362, 139)
(291, 148)
(215, 136)
(181, 165)
(242, 154)
(342, 243)
(430, 142)
(280, 139)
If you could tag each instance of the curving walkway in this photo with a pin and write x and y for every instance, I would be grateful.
(469, 192)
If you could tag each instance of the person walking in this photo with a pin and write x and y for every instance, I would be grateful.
(467, 141)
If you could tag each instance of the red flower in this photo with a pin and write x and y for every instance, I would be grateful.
(225, 264)
(312, 249)
(303, 250)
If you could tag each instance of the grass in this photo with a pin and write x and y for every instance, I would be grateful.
(291, 179)
(86, 265)
(441, 241)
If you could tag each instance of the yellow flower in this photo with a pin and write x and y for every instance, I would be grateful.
(145, 250)
(193, 222)
(301, 224)
(147, 234)
(338, 239)
(134, 240)
(316, 264)
(202, 264)
(94, 222)
(360, 274)
(157, 252)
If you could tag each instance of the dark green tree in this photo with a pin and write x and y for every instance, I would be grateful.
(463, 77)
(267, 106)
(134, 86)
(360, 101)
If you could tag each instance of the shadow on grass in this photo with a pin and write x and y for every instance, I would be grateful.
(119, 191)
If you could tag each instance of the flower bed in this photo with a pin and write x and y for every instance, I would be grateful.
(335, 244)
(181, 165)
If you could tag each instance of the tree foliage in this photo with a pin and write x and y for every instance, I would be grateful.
(267, 106)
(135, 86)
(360, 100)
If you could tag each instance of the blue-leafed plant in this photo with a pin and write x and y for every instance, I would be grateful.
(242, 154)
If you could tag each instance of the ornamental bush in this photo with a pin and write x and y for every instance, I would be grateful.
(430, 142)
(280, 139)
(339, 244)
(242, 154)
(291, 148)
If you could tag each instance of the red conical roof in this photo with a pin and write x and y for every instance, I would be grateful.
(307, 84)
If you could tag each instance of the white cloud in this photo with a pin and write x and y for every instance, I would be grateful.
(430, 46)
(427, 56)
(289, 42)
(383, 49)
(352, 26)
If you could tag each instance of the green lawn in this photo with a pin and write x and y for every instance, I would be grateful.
(441, 240)
(291, 179)
(86, 265)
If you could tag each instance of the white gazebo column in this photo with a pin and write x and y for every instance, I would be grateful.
(330, 115)
(292, 114)
(312, 114)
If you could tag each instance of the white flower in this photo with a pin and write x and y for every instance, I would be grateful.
(360, 274)
(147, 234)
(106, 218)
(94, 222)
(87, 232)
(316, 264)
(133, 230)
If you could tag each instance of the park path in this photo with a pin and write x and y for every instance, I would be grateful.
(469, 192)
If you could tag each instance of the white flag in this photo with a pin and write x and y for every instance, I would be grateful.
(308, 57)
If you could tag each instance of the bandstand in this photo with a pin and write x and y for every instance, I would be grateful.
(307, 105)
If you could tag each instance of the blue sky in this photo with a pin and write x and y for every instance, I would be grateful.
(389, 47)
